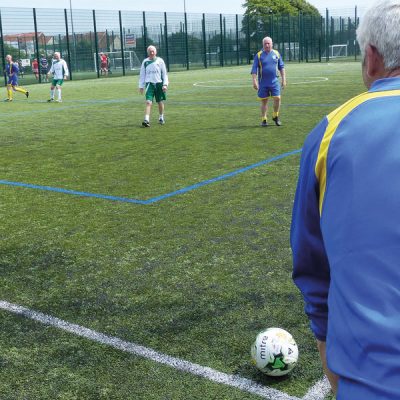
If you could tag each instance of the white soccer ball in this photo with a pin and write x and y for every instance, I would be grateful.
(274, 352)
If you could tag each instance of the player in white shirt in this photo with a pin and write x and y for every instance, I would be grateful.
(153, 81)
(59, 70)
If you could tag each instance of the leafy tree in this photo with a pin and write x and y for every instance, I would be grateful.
(267, 7)
(260, 17)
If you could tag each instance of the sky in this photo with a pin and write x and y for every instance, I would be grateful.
(191, 6)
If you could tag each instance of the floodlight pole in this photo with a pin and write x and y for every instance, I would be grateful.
(72, 19)
(184, 6)
(72, 31)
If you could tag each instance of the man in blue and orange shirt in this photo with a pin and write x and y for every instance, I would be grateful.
(345, 234)
(12, 79)
(267, 62)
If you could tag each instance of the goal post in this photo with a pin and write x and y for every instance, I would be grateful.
(337, 50)
(292, 50)
(131, 60)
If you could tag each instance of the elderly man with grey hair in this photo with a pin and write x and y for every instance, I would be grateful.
(59, 70)
(345, 233)
(153, 81)
(266, 64)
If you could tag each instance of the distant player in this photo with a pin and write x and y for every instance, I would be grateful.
(35, 68)
(103, 64)
(153, 82)
(44, 66)
(267, 63)
(21, 68)
(12, 79)
(59, 70)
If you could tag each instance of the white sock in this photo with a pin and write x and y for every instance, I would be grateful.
(147, 117)
(52, 94)
(161, 116)
(59, 94)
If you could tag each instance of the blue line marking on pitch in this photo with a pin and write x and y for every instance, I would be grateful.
(222, 177)
(157, 198)
(72, 192)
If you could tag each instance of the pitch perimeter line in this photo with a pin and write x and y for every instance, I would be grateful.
(153, 199)
(235, 381)
(71, 192)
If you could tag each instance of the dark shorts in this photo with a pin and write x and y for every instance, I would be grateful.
(269, 91)
(13, 81)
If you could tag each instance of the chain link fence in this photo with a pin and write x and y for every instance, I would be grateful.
(185, 41)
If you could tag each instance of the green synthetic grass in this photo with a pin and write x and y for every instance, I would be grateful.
(194, 276)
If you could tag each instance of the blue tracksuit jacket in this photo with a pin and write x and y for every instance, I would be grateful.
(345, 239)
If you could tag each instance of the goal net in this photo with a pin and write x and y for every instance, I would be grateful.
(292, 50)
(131, 60)
(338, 50)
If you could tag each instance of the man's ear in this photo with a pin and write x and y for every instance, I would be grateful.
(374, 62)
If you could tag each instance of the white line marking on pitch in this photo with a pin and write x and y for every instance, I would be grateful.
(319, 390)
(231, 380)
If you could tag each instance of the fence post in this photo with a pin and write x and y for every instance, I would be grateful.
(37, 42)
(327, 36)
(121, 35)
(224, 41)
(96, 45)
(186, 42)
(289, 39)
(300, 37)
(60, 44)
(19, 49)
(166, 40)
(107, 42)
(221, 44)
(320, 38)
(203, 28)
(68, 46)
(355, 36)
(144, 34)
(348, 36)
(62, 54)
(249, 58)
(45, 45)
(306, 49)
(237, 41)
(112, 41)
(311, 38)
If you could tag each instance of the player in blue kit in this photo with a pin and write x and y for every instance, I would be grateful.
(345, 233)
(44, 66)
(266, 64)
(12, 71)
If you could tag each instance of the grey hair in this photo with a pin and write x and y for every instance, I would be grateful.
(380, 27)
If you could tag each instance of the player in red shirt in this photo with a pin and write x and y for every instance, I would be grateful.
(103, 64)
(35, 68)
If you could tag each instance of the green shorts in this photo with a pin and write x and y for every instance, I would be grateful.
(57, 82)
(155, 90)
